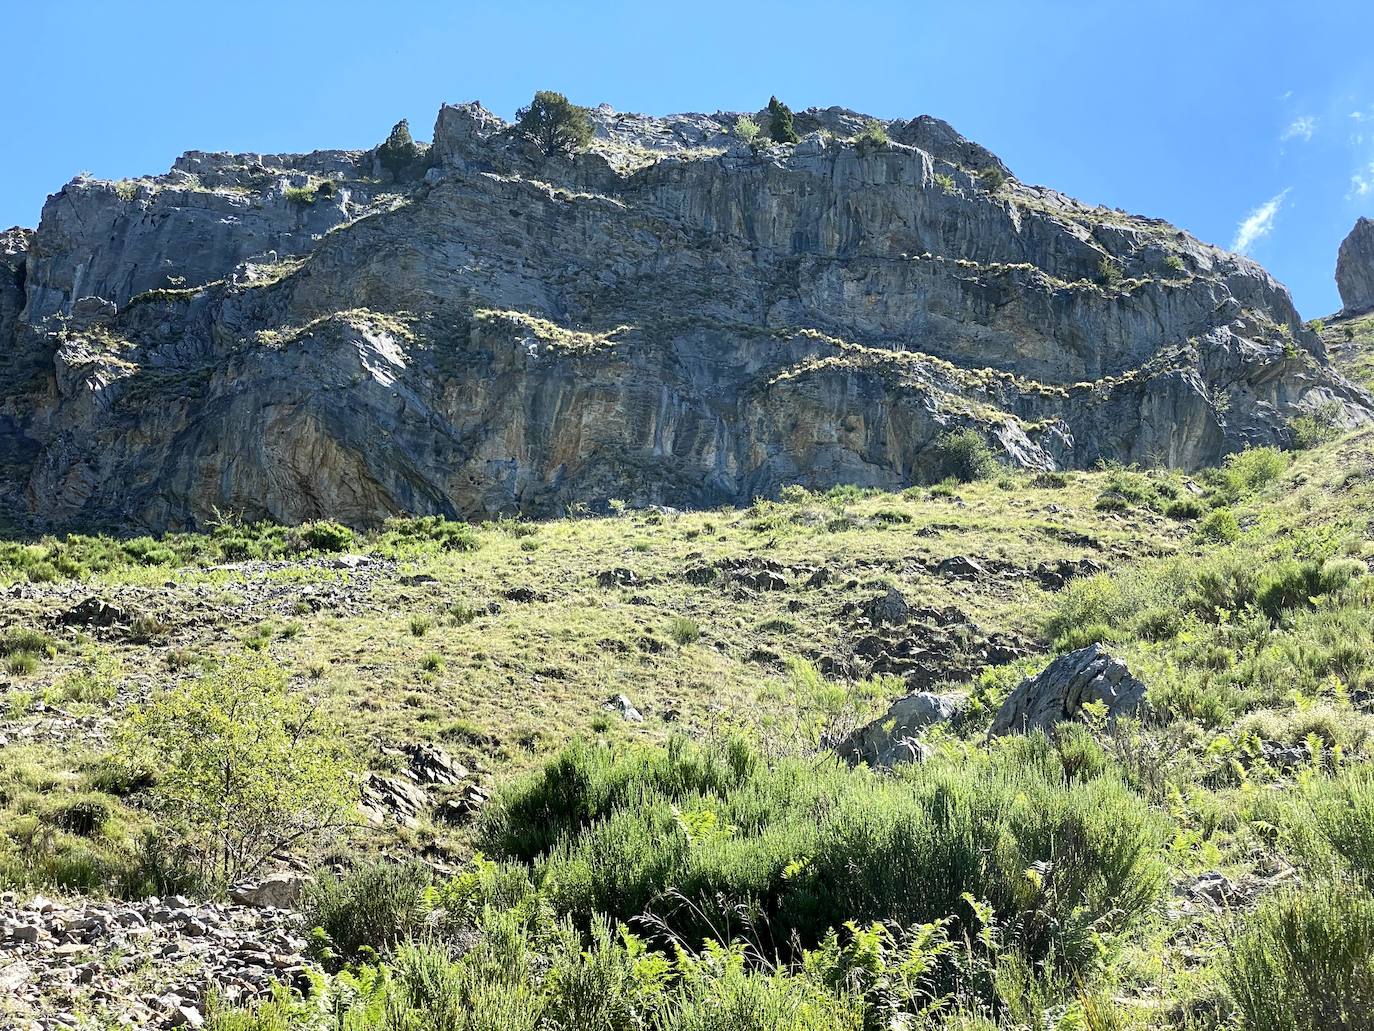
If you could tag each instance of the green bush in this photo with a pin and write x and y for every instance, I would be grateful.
(241, 767)
(873, 136)
(399, 152)
(963, 455)
(375, 906)
(780, 129)
(326, 536)
(1304, 962)
(696, 834)
(1184, 508)
(747, 129)
(992, 179)
(555, 124)
(1220, 525)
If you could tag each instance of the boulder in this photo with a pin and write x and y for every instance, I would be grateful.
(1067, 684)
(277, 891)
(895, 737)
(1355, 269)
(890, 609)
(622, 705)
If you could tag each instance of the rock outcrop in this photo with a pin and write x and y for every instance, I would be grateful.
(1057, 695)
(672, 317)
(1355, 269)
(896, 737)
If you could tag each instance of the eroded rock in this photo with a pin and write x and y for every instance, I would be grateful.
(1057, 695)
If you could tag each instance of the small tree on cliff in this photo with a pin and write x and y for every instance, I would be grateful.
(780, 122)
(556, 124)
(399, 151)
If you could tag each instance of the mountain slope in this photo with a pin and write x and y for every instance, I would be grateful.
(671, 317)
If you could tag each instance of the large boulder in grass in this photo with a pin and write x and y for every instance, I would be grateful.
(895, 737)
(1067, 684)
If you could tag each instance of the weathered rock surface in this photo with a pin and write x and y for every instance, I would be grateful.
(670, 318)
(91, 957)
(1071, 681)
(896, 737)
(1355, 268)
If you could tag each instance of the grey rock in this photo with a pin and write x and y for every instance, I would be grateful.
(279, 890)
(895, 737)
(622, 705)
(668, 318)
(1058, 694)
(890, 609)
(1355, 268)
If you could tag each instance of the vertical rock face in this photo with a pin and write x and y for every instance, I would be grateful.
(1355, 269)
(672, 317)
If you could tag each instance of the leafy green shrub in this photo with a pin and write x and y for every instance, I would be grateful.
(302, 195)
(780, 128)
(555, 124)
(242, 767)
(326, 535)
(1109, 274)
(693, 833)
(1220, 525)
(1304, 961)
(747, 129)
(963, 455)
(1319, 426)
(374, 906)
(992, 179)
(1174, 264)
(873, 136)
(1184, 508)
(1126, 490)
(399, 152)
(683, 630)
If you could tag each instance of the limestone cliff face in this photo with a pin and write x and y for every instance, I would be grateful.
(672, 317)
(1355, 269)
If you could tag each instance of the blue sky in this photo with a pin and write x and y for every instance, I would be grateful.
(1247, 123)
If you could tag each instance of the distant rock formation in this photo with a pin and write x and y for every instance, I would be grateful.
(1355, 269)
(674, 317)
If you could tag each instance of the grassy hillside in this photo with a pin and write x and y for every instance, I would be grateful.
(1189, 869)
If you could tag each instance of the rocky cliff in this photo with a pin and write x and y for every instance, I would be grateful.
(1355, 269)
(670, 317)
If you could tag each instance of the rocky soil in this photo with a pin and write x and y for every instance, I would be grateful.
(139, 964)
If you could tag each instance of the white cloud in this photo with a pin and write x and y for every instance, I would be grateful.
(1362, 182)
(1258, 224)
(1300, 128)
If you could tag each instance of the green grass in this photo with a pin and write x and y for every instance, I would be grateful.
(1022, 883)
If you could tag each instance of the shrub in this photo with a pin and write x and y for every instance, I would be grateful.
(20, 640)
(1184, 508)
(555, 124)
(1220, 525)
(992, 179)
(1174, 264)
(326, 536)
(376, 906)
(1109, 273)
(946, 182)
(1304, 961)
(698, 834)
(683, 630)
(780, 128)
(747, 129)
(963, 455)
(242, 767)
(302, 195)
(399, 151)
(873, 136)
(1317, 427)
